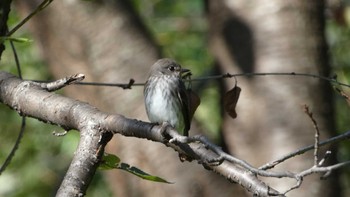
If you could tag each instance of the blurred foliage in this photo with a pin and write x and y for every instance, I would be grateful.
(39, 162)
(180, 28)
(338, 37)
(42, 159)
(31, 65)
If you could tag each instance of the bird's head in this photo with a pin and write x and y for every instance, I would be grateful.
(167, 66)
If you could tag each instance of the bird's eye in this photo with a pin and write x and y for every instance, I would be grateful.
(171, 68)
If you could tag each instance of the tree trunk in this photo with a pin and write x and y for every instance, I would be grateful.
(275, 36)
(5, 7)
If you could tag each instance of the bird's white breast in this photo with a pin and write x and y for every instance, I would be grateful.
(159, 109)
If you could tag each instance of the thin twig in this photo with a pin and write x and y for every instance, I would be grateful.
(16, 60)
(60, 83)
(227, 75)
(224, 156)
(15, 147)
(297, 185)
(317, 133)
(23, 124)
(335, 139)
(40, 7)
(343, 94)
(315, 169)
(121, 85)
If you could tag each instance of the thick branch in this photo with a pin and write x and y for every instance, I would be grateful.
(85, 162)
(97, 128)
(31, 100)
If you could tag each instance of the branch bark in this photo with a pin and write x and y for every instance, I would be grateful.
(96, 127)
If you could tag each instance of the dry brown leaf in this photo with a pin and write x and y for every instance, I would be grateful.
(194, 102)
(230, 101)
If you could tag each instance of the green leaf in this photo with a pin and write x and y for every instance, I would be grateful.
(141, 174)
(20, 40)
(109, 161)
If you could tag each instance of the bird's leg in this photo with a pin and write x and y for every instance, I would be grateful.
(177, 138)
(174, 137)
(164, 130)
(171, 134)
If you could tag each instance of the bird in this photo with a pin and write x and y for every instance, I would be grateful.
(165, 95)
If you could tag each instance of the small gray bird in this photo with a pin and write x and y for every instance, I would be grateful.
(165, 95)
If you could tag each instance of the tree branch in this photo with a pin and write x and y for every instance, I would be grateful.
(29, 99)
(333, 140)
(97, 128)
(85, 162)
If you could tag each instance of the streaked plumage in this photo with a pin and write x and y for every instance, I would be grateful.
(165, 95)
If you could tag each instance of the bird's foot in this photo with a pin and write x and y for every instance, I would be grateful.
(171, 134)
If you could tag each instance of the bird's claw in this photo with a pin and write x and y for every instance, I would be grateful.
(178, 139)
(171, 134)
(163, 129)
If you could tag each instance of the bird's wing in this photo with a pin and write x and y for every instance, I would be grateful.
(184, 100)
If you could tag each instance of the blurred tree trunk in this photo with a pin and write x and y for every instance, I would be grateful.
(107, 42)
(5, 7)
(275, 36)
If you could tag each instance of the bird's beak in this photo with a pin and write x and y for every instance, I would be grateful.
(184, 70)
(185, 73)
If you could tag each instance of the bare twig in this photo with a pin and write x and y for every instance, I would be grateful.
(317, 133)
(228, 75)
(23, 124)
(121, 85)
(128, 86)
(297, 185)
(60, 83)
(332, 140)
(15, 147)
(40, 7)
(343, 94)
(316, 169)
(319, 169)
(92, 123)
(18, 65)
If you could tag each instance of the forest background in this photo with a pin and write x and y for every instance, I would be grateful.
(207, 37)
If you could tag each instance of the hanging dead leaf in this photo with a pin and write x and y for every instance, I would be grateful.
(230, 101)
(194, 102)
